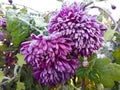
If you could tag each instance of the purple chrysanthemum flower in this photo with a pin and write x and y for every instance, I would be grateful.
(85, 30)
(48, 57)
(3, 23)
(1, 36)
(59, 72)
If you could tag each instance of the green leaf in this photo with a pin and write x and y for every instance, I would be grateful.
(100, 86)
(108, 72)
(82, 71)
(81, 59)
(20, 86)
(108, 35)
(93, 75)
(23, 10)
(1, 76)
(116, 55)
(27, 77)
(102, 62)
(20, 60)
(18, 29)
(2, 47)
(67, 87)
(60, 0)
(2, 61)
(45, 87)
(100, 17)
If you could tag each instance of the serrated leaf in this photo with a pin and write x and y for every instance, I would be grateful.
(20, 86)
(102, 62)
(108, 35)
(93, 75)
(17, 28)
(116, 55)
(23, 10)
(20, 60)
(108, 72)
(82, 71)
(1, 76)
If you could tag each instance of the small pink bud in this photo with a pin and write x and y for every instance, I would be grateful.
(85, 63)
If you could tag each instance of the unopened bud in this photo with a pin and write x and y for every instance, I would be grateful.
(10, 1)
(113, 7)
(85, 63)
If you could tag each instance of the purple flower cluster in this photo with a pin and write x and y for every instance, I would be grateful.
(3, 23)
(48, 57)
(85, 30)
(73, 32)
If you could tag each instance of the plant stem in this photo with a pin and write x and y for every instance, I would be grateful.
(22, 6)
(115, 23)
(31, 25)
(83, 84)
(11, 79)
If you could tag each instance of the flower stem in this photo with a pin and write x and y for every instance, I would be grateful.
(83, 84)
(31, 25)
(22, 6)
(116, 25)
(11, 79)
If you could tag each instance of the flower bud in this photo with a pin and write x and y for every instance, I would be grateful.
(10, 1)
(85, 63)
(113, 6)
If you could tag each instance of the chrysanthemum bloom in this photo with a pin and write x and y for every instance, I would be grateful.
(3, 23)
(85, 30)
(48, 57)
